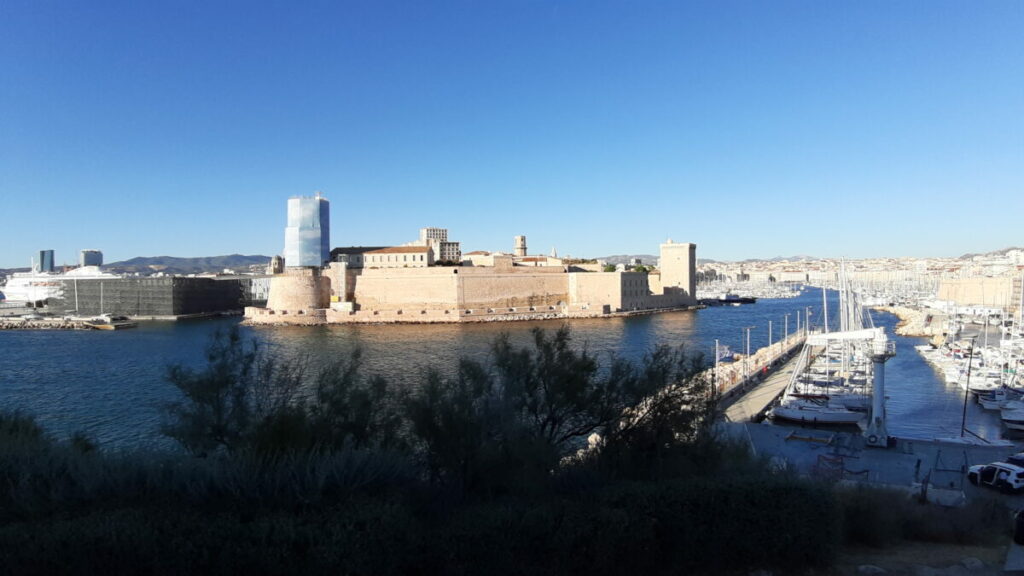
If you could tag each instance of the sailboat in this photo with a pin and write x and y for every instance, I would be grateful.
(835, 369)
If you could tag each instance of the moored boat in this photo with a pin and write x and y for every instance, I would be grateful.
(108, 322)
(815, 411)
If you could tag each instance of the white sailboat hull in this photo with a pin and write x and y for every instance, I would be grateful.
(815, 414)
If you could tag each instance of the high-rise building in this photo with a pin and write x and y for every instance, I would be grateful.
(46, 260)
(307, 235)
(90, 258)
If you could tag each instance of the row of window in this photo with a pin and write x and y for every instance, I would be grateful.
(376, 258)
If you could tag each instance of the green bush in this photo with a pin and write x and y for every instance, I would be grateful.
(513, 424)
(363, 536)
(357, 512)
(680, 526)
(491, 470)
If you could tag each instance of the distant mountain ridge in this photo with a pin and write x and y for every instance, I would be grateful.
(177, 265)
(1002, 252)
(801, 258)
(627, 258)
(242, 263)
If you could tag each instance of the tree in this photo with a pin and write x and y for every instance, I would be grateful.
(609, 268)
(247, 400)
(350, 409)
(511, 423)
(671, 424)
(224, 403)
(449, 420)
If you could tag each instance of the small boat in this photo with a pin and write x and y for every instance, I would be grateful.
(996, 399)
(108, 322)
(731, 298)
(1013, 419)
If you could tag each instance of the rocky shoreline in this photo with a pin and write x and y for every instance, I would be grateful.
(324, 317)
(45, 324)
(926, 323)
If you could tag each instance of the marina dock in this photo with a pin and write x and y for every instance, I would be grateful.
(748, 386)
(749, 401)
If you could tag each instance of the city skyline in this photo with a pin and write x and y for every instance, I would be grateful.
(753, 130)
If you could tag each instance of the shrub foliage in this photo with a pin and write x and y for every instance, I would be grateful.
(540, 461)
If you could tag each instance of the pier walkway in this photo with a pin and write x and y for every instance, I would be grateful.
(751, 405)
(748, 386)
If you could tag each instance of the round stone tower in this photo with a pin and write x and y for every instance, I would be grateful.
(299, 289)
(520, 246)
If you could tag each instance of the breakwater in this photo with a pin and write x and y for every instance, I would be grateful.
(734, 377)
(922, 323)
(43, 324)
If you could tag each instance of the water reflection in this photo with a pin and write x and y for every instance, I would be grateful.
(111, 385)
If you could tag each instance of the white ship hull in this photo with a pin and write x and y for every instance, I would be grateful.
(41, 286)
(811, 413)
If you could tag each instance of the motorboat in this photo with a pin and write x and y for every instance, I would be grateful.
(108, 322)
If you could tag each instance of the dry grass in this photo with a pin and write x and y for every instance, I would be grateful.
(905, 558)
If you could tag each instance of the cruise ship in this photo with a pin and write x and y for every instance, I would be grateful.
(38, 286)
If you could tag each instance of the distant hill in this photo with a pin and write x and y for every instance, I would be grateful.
(626, 258)
(175, 265)
(646, 259)
(801, 258)
(993, 253)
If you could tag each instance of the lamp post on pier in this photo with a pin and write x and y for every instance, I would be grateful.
(771, 355)
(807, 320)
(786, 316)
(746, 357)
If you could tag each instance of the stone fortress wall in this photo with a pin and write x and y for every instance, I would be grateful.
(353, 289)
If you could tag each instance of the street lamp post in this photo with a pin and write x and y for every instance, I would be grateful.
(746, 357)
(714, 377)
(807, 320)
(786, 316)
(771, 355)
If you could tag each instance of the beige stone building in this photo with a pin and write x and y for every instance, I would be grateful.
(395, 285)
(1003, 292)
(678, 265)
(437, 239)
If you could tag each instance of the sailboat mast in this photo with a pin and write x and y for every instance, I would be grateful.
(967, 388)
(824, 305)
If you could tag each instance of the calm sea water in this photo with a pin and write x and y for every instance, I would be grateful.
(111, 385)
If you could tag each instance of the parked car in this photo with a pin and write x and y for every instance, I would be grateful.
(1017, 459)
(999, 475)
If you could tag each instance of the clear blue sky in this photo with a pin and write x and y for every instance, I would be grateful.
(755, 129)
